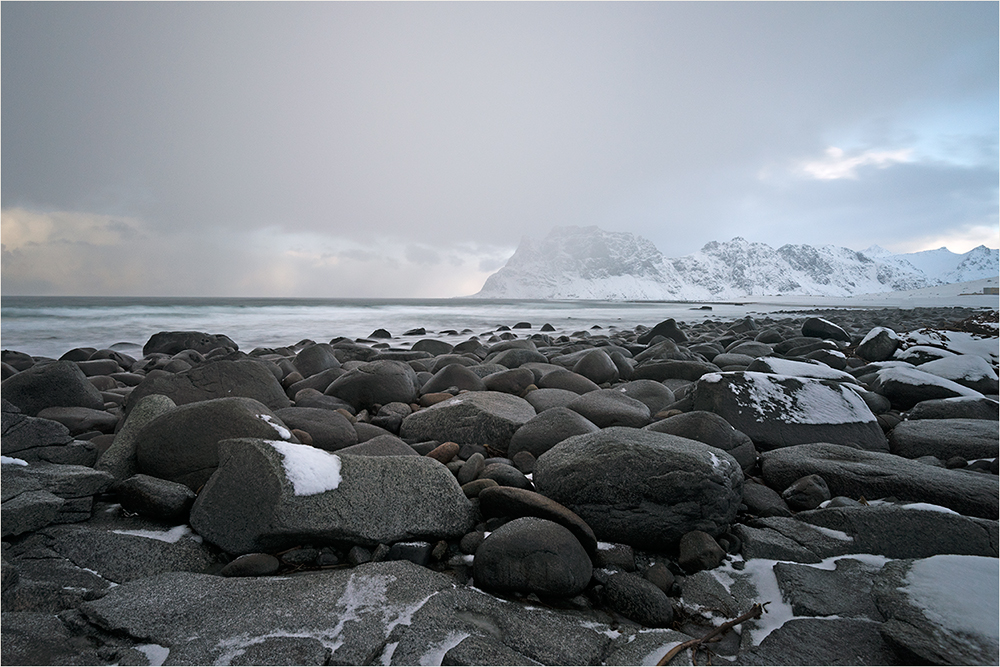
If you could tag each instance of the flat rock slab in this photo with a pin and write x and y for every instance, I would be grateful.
(269, 495)
(945, 438)
(781, 411)
(23, 433)
(393, 613)
(943, 608)
(855, 473)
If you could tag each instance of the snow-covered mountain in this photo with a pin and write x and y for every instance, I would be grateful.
(590, 263)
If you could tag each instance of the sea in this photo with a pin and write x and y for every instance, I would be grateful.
(51, 326)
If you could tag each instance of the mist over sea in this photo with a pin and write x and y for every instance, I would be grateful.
(50, 326)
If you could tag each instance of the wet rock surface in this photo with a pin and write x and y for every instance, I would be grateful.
(520, 498)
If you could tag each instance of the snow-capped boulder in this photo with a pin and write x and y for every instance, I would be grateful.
(270, 495)
(968, 370)
(907, 386)
(779, 411)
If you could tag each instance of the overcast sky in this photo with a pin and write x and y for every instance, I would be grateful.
(403, 149)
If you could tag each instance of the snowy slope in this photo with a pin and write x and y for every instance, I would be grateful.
(590, 263)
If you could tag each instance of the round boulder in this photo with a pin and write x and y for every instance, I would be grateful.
(478, 417)
(55, 384)
(376, 382)
(610, 407)
(642, 488)
(548, 429)
(532, 555)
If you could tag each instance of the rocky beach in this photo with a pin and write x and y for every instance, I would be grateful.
(810, 487)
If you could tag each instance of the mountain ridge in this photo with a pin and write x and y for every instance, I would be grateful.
(591, 263)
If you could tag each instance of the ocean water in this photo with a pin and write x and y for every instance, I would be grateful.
(50, 326)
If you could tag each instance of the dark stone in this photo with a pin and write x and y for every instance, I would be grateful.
(182, 445)
(699, 551)
(963, 407)
(642, 488)
(817, 327)
(944, 438)
(156, 498)
(172, 342)
(251, 565)
(216, 379)
(506, 501)
(328, 429)
(547, 429)
(806, 493)
(638, 599)
(375, 383)
(532, 555)
(667, 329)
(611, 407)
(453, 375)
(484, 417)
(711, 429)
(55, 384)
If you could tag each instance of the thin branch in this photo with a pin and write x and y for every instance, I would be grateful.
(754, 612)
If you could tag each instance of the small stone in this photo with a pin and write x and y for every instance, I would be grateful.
(806, 493)
(358, 555)
(699, 551)
(251, 565)
(303, 437)
(444, 452)
(474, 488)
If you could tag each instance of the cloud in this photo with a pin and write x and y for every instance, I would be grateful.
(20, 228)
(960, 240)
(837, 164)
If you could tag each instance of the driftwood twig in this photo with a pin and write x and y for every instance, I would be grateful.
(754, 612)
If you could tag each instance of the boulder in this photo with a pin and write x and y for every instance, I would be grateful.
(453, 375)
(878, 345)
(961, 407)
(905, 386)
(120, 458)
(654, 394)
(21, 434)
(711, 429)
(314, 359)
(54, 384)
(515, 381)
(182, 445)
(566, 379)
(968, 370)
(642, 488)
(942, 608)
(817, 327)
(667, 328)
(482, 417)
(156, 498)
(303, 494)
(855, 473)
(546, 399)
(597, 367)
(547, 429)
(328, 429)
(214, 379)
(638, 599)
(532, 555)
(779, 411)
(505, 501)
(945, 438)
(673, 370)
(376, 383)
(172, 342)
(801, 369)
(81, 420)
(380, 445)
(515, 357)
(611, 407)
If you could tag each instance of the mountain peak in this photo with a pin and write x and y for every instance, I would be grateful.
(592, 263)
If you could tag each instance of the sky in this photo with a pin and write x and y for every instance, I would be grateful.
(334, 149)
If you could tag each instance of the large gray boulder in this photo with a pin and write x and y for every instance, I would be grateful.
(182, 445)
(376, 383)
(269, 495)
(55, 384)
(532, 555)
(942, 608)
(479, 417)
(642, 488)
(961, 407)
(547, 429)
(855, 473)
(215, 379)
(780, 411)
(945, 438)
(314, 359)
